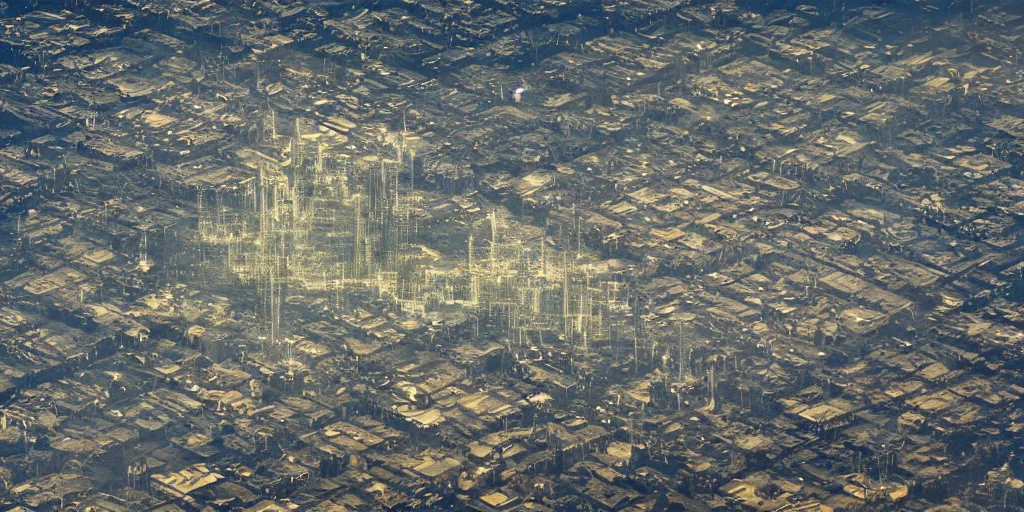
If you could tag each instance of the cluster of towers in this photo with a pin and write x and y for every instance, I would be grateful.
(323, 222)
(537, 286)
